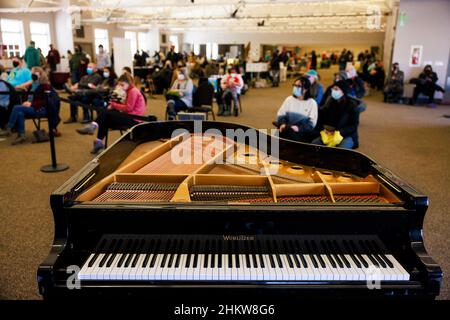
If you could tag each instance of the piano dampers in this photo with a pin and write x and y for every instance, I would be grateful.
(138, 192)
(230, 193)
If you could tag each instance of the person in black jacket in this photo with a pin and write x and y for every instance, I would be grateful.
(275, 68)
(426, 84)
(339, 116)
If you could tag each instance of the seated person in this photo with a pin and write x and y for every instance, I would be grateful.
(179, 97)
(113, 118)
(20, 75)
(394, 86)
(341, 75)
(338, 119)
(84, 91)
(106, 87)
(29, 108)
(426, 84)
(355, 83)
(316, 90)
(376, 75)
(162, 77)
(297, 116)
(231, 85)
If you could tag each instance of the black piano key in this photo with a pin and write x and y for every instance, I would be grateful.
(196, 251)
(180, 252)
(189, 252)
(340, 254)
(236, 253)
(155, 253)
(277, 254)
(375, 254)
(327, 252)
(230, 256)
(300, 250)
(213, 253)
(358, 254)
(247, 257)
(173, 252)
(206, 253)
(270, 251)
(97, 252)
(382, 255)
(166, 252)
(334, 253)
(132, 253)
(124, 253)
(254, 254)
(219, 254)
(352, 253)
(366, 251)
(311, 254)
(287, 253)
(260, 254)
(150, 248)
(138, 253)
(293, 254)
(111, 246)
(116, 250)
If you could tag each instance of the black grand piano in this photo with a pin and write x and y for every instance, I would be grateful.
(253, 215)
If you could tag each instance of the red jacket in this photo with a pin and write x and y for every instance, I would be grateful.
(39, 99)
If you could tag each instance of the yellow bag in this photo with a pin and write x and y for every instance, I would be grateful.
(331, 140)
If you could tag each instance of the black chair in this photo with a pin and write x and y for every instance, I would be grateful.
(203, 98)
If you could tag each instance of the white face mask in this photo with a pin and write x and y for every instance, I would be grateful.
(181, 77)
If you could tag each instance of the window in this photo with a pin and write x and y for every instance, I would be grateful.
(12, 37)
(212, 50)
(101, 38)
(131, 35)
(142, 41)
(40, 34)
(174, 42)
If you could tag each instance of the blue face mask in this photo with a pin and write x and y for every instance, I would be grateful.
(336, 94)
(105, 74)
(297, 91)
(90, 71)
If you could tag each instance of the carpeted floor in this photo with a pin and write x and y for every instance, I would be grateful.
(412, 141)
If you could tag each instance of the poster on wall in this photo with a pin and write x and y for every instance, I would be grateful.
(415, 57)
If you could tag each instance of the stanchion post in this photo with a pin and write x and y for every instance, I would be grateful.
(54, 167)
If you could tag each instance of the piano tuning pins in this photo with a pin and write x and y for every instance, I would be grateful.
(228, 193)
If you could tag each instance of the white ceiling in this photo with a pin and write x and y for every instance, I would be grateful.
(183, 15)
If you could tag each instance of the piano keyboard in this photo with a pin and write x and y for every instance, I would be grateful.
(264, 258)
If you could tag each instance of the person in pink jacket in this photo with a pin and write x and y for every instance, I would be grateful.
(113, 119)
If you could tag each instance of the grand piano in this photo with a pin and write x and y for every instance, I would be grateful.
(182, 209)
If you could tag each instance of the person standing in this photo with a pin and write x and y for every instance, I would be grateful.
(275, 68)
(75, 62)
(103, 59)
(53, 58)
(32, 56)
(313, 60)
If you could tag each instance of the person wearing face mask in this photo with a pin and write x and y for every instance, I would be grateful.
(75, 62)
(297, 116)
(179, 97)
(355, 83)
(34, 107)
(316, 90)
(84, 91)
(338, 121)
(426, 84)
(393, 91)
(231, 86)
(103, 59)
(20, 76)
(113, 118)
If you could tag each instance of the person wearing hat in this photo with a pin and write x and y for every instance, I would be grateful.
(316, 89)
(339, 119)
(341, 75)
(297, 116)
